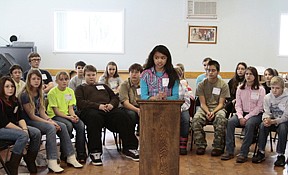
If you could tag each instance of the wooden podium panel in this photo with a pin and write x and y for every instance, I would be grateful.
(159, 137)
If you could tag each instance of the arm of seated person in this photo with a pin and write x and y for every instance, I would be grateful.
(131, 107)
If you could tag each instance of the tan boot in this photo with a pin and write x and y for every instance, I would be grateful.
(71, 160)
(54, 166)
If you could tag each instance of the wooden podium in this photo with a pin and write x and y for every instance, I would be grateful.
(159, 137)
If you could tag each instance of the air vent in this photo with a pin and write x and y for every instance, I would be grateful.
(201, 9)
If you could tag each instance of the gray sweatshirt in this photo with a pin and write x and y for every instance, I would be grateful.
(276, 108)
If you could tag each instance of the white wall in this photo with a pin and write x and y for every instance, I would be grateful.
(248, 30)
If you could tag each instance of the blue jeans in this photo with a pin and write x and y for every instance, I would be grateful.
(233, 122)
(50, 131)
(80, 132)
(281, 129)
(21, 139)
(134, 117)
(184, 124)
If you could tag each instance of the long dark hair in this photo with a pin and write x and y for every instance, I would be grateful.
(169, 69)
(237, 79)
(271, 71)
(2, 91)
(256, 83)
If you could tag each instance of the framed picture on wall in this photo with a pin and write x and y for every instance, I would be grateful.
(202, 35)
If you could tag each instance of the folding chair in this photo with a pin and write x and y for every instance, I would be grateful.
(272, 129)
(115, 135)
(5, 145)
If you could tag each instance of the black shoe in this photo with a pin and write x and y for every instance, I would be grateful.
(227, 156)
(216, 152)
(200, 151)
(241, 159)
(81, 157)
(280, 161)
(132, 154)
(183, 151)
(96, 159)
(260, 157)
(29, 159)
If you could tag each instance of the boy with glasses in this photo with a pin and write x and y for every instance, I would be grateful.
(34, 61)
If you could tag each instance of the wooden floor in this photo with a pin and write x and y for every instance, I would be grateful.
(192, 164)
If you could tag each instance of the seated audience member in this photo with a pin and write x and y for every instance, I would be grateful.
(61, 100)
(183, 81)
(34, 60)
(212, 93)
(249, 110)
(98, 107)
(111, 77)
(269, 73)
(185, 117)
(129, 93)
(72, 73)
(181, 66)
(16, 74)
(159, 80)
(13, 128)
(34, 114)
(79, 78)
(233, 83)
(201, 77)
(275, 116)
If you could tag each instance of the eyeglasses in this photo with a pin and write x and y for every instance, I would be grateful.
(34, 60)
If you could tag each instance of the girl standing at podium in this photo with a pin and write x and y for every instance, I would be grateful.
(159, 80)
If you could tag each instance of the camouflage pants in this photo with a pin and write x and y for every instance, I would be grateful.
(219, 124)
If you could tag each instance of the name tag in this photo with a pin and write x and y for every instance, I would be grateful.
(68, 97)
(254, 95)
(44, 77)
(165, 82)
(216, 91)
(138, 90)
(15, 109)
(100, 87)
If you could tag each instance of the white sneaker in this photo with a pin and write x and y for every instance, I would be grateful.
(72, 161)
